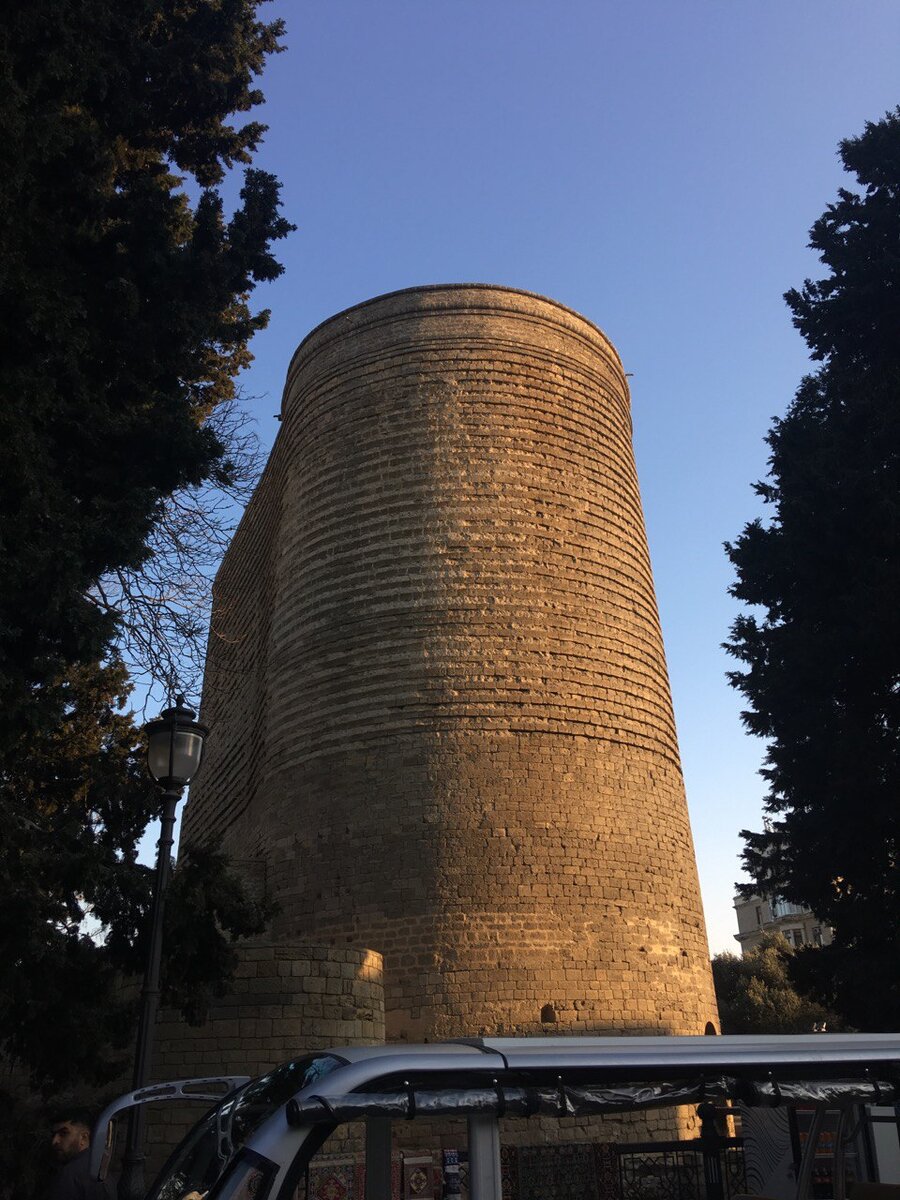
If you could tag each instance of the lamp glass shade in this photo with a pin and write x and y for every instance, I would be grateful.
(175, 746)
(174, 755)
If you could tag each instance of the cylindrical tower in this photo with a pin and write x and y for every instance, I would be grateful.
(437, 683)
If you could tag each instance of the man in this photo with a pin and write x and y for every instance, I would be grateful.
(70, 1145)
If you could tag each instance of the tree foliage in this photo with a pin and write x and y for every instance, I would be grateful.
(756, 993)
(124, 298)
(125, 318)
(73, 921)
(819, 648)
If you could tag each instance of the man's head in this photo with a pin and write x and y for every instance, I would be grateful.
(71, 1133)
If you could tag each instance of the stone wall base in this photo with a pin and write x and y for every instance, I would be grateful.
(286, 1001)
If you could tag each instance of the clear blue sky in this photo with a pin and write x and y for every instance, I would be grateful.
(654, 164)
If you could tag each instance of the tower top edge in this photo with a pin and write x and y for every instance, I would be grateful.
(430, 292)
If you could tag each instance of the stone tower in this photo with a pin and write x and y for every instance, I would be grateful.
(442, 727)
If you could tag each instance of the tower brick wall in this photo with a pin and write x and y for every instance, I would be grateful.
(436, 683)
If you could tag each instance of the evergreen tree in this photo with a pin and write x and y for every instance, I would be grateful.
(74, 917)
(125, 318)
(124, 299)
(821, 651)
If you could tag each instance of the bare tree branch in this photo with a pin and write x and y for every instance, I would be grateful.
(162, 608)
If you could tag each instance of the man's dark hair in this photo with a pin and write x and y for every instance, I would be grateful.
(75, 1114)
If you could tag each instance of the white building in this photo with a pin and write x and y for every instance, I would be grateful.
(757, 915)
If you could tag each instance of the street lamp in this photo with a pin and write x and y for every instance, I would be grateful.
(175, 749)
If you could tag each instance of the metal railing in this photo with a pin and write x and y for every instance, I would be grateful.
(693, 1170)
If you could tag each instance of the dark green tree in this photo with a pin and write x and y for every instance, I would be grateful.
(125, 318)
(73, 921)
(756, 994)
(820, 649)
(124, 299)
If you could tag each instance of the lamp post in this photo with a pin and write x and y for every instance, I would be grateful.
(175, 748)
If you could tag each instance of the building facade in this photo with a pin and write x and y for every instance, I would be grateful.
(759, 914)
